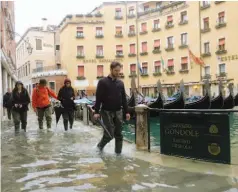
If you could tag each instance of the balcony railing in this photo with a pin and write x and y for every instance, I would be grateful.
(206, 76)
(221, 51)
(205, 30)
(220, 25)
(131, 16)
(205, 6)
(169, 48)
(206, 54)
(117, 17)
(47, 69)
(131, 34)
(221, 75)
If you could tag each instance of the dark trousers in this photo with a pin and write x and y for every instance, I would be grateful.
(19, 117)
(41, 112)
(113, 124)
(68, 117)
(9, 113)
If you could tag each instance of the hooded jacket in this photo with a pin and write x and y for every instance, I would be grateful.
(21, 98)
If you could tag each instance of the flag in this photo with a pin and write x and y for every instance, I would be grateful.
(194, 59)
(163, 65)
(139, 67)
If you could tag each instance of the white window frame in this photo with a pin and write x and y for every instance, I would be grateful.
(141, 26)
(129, 47)
(181, 37)
(96, 30)
(147, 65)
(161, 67)
(52, 82)
(167, 67)
(187, 63)
(121, 28)
(130, 67)
(141, 45)
(102, 50)
(84, 68)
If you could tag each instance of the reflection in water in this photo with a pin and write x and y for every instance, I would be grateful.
(42, 161)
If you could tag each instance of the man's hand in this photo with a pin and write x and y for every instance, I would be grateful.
(72, 98)
(96, 116)
(128, 116)
(20, 105)
(16, 105)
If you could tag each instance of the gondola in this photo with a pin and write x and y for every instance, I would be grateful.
(229, 101)
(236, 100)
(217, 102)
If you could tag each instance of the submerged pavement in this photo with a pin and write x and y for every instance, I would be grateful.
(55, 160)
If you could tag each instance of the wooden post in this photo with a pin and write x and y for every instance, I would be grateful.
(141, 127)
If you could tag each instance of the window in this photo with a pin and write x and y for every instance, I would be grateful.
(100, 70)
(39, 66)
(80, 51)
(132, 48)
(146, 8)
(184, 39)
(133, 69)
(171, 65)
(118, 30)
(158, 5)
(118, 12)
(205, 3)
(52, 85)
(207, 47)
(221, 17)
(207, 70)
(186, 90)
(99, 50)
(144, 47)
(29, 67)
(26, 71)
(79, 32)
(38, 44)
(184, 63)
(99, 31)
(222, 68)
(57, 47)
(170, 91)
(145, 91)
(156, 24)
(157, 65)
(131, 11)
(81, 71)
(206, 23)
(157, 44)
(145, 68)
(170, 41)
(222, 44)
(132, 29)
(143, 27)
(170, 20)
(119, 50)
(184, 16)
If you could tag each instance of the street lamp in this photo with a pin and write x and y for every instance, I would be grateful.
(29, 49)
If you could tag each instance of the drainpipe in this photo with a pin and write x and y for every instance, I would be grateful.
(137, 47)
(200, 39)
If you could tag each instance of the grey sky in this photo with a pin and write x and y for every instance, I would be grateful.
(29, 12)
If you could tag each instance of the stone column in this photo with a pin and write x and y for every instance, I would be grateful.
(1, 93)
(13, 83)
(5, 81)
(9, 82)
(85, 114)
(141, 127)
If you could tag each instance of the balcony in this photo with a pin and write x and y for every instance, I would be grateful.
(183, 22)
(99, 56)
(119, 35)
(133, 75)
(168, 26)
(143, 53)
(119, 55)
(170, 72)
(100, 77)
(157, 29)
(221, 75)
(118, 17)
(156, 74)
(221, 51)
(98, 15)
(205, 30)
(203, 7)
(89, 15)
(207, 76)
(183, 71)
(220, 25)
(121, 75)
(131, 34)
(207, 54)
(183, 46)
(81, 78)
(130, 16)
(144, 74)
(131, 55)
(169, 48)
(80, 56)
(143, 32)
(79, 15)
(79, 37)
(99, 36)
(48, 71)
(218, 2)
(156, 51)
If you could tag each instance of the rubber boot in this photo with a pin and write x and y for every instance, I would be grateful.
(23, 126)
(118, 146)
(65, 125)
(102, 143)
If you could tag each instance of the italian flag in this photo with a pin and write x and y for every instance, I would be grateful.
(163, 65)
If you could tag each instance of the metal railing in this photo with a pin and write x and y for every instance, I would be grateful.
(48, 68)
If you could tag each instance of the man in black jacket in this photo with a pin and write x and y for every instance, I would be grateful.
(110, 98)
(6, 99)
(66, 96)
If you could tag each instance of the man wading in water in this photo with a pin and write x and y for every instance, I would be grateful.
(111, 97)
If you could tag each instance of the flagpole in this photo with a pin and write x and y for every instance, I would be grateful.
(200, 39)
(137, 47)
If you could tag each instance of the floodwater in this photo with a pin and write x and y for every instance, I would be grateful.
(42, 161)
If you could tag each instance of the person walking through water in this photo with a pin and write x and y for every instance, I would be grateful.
(111, 97)
(6, 104)
(41, 103)
(20, 100)
(67, 96)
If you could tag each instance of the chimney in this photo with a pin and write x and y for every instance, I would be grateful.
(44, 24)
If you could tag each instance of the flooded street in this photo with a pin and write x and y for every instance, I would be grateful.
(42, 161)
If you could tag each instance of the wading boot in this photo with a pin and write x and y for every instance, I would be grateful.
(118, 146)
(66, 125)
